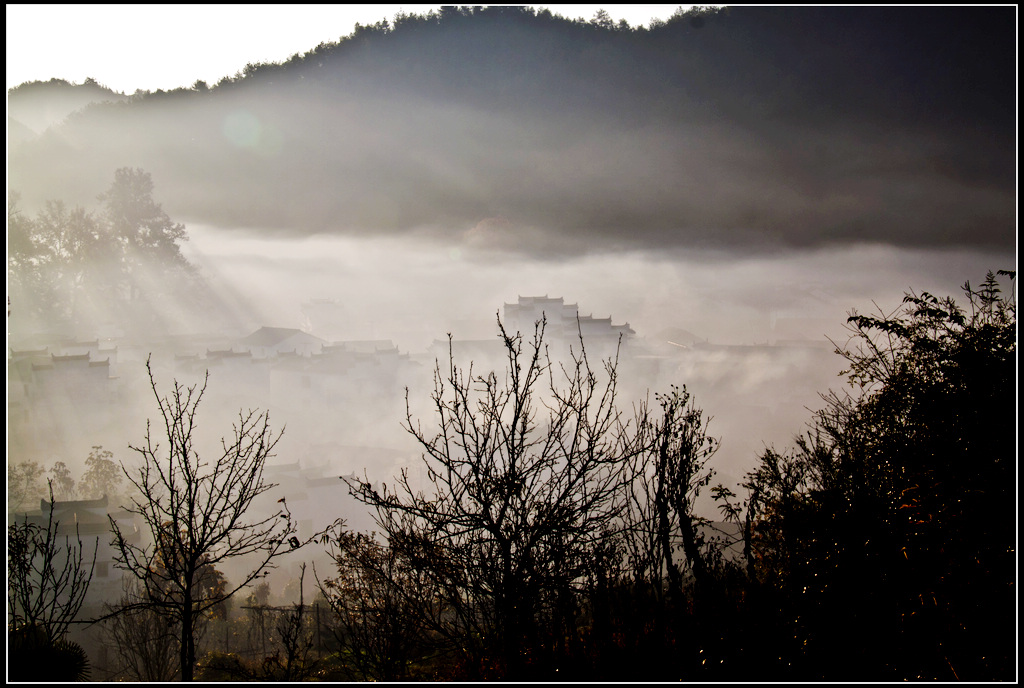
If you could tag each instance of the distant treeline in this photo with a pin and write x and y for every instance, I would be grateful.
(731, 58)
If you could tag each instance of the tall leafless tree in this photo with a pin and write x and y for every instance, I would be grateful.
(195, 513)
(526, 477)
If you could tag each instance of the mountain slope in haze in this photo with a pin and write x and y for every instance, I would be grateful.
(750, 129)
(18, 133)
(38, 105)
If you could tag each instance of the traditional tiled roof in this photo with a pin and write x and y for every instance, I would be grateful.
(94, 344)
(27, 353)
(360, 345)
(562, 318)
(271, 336)
(70, 358)
(100, 503)
(228, 354)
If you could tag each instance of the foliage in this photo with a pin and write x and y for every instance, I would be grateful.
(374, 599)
(683, 452)
(145, 237)
(103, 476)
(895, 512)
(53, 255)
(195, 512)
(23, 484)
(61, 481)
(74, 267)
(34, 655)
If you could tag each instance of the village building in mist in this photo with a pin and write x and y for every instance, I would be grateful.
(343, 401)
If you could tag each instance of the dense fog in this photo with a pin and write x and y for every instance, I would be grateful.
(751, 337)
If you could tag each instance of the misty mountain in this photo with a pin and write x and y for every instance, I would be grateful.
(507, 128)
(18, 133)
(35, 106)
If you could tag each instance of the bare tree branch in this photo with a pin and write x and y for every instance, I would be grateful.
(195, 511)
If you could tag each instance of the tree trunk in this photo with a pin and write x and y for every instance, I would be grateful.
(693, 553)
(509, 604)
(188, 649)
(665, 524)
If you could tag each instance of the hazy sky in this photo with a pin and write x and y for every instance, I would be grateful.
(127, 47)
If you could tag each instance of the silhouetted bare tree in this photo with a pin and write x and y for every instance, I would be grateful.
(666, 481)
(195, 512)
(527, 477)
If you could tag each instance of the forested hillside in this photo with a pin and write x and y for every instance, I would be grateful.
(38, 105)
(681, 133)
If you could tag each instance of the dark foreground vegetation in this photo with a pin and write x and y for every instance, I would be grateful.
(558, 538)
(564, 545)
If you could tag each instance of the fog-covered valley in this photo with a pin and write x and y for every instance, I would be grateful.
(701, 203)
(752, 338)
